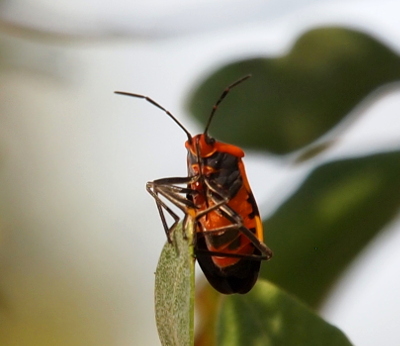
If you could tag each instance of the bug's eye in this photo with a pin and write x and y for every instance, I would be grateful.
(210, 140)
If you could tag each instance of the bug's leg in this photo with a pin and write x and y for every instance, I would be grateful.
(161, 206)
(166, 188)
(235, 218)
(224, 198)
(220, 200)
(266, 253)
(217, 204)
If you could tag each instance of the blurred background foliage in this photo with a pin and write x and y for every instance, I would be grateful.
(292, 102)
(70, 273)
(294, 99)
(269, 316)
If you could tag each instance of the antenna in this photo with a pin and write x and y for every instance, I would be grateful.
(223, 95)
(159, 106)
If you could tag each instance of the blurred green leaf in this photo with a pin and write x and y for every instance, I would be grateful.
(294, 99)
(268, 316)
(339, 208)
(174, 291)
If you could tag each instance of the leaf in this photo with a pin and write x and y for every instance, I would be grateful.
(174, 290)
(294, 99)
(267, 316)
(336, 212)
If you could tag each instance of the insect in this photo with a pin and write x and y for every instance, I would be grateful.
(216, 196)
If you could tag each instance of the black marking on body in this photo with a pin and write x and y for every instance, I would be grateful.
(226, 173)
(237, 278)
(235, 244)
(219, 240)
(252, 201)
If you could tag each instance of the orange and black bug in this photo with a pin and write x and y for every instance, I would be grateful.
(216, 196)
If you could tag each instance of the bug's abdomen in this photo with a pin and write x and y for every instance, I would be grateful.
(229, 238)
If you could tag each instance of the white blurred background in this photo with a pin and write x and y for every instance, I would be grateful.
(79, 236)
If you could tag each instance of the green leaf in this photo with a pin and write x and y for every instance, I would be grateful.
(267, 316)
(294, 99)
(174, 290)
(335, 213)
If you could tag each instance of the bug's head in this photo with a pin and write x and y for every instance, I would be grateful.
(201, 145)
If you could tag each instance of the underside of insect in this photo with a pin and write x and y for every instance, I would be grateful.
(216, 197)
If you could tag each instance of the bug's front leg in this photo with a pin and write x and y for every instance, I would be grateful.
(167, 188)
